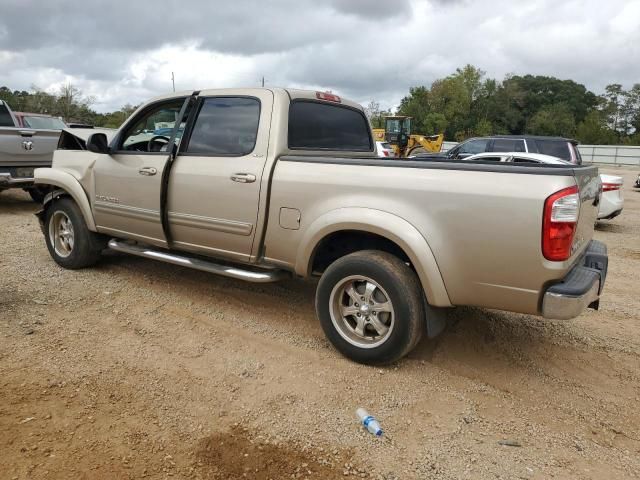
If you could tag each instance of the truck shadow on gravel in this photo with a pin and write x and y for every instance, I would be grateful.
(477, 337)
(187, 282)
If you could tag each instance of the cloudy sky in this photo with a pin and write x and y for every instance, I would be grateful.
(124, 51)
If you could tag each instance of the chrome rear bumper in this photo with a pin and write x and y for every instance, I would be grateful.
(581, 288)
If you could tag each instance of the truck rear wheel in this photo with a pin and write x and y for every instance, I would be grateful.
(71, 244)
(370, 307)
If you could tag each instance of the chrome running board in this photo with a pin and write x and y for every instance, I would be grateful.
(256, 276)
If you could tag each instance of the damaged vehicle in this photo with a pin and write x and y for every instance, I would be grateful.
(264, 184)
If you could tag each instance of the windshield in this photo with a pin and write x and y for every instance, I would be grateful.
(47, 123)
(393, 126)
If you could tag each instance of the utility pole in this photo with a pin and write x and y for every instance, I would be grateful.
(263, 81)
(173, 81)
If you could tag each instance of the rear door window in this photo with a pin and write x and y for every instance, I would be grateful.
(321, 126)
(472, 147)
(508, 145)
(555, 148)
(225, 126)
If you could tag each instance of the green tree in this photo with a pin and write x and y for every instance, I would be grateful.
(483, 128)
(452, 105)
(593, 130)
(612, 106)
(416, 105)
(556, 119)
(631, 109)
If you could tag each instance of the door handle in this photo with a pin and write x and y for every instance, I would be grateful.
(243, 177)
(148, 171)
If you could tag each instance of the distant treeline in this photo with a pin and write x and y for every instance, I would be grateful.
(461, 105)
(68, 103)
(467, 104)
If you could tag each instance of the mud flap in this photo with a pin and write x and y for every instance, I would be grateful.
(435, 319)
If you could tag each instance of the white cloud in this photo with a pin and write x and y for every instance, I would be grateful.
(362, 50)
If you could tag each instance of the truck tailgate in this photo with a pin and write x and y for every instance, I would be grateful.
(27, 147)
(589, 185)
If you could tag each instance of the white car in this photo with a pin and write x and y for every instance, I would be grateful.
(516, 157)
(611, 201)
(385, 149)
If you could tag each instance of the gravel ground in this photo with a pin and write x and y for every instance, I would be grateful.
(139, 369)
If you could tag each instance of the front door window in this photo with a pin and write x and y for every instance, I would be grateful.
(152, 130)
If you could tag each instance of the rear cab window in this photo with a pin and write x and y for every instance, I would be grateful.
(321, 126)
(44, 123)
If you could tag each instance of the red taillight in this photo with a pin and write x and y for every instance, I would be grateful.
(329, 97)
(386, 154)
(609, 187)
(559, 222)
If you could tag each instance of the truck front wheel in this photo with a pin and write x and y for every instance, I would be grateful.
(370, 307)
(71, 244)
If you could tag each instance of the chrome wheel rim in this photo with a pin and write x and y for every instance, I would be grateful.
(61, 234)
(361, 311)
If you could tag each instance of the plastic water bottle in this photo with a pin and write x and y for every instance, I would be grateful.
(369, 422)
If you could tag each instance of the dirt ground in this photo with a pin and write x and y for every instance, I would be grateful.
(138, 369)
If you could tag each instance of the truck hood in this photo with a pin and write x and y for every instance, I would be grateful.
(76, 138)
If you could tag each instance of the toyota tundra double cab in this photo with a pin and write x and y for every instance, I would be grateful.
(266, 184)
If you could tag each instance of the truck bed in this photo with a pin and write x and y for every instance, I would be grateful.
(478, 219)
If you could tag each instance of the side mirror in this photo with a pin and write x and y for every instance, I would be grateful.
(97, 143)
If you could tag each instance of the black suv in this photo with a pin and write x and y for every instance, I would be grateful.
(563, 148)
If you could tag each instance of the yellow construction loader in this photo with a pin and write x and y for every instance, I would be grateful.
(397, 132)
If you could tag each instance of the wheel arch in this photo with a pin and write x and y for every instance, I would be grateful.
(391, 229)
(65, 184)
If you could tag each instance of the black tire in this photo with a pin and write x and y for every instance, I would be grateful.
(86, 245)
(37, 194)
(396, 282)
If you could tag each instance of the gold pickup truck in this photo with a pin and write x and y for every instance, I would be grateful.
(265, 184)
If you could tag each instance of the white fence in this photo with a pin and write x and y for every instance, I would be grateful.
(610, 154)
